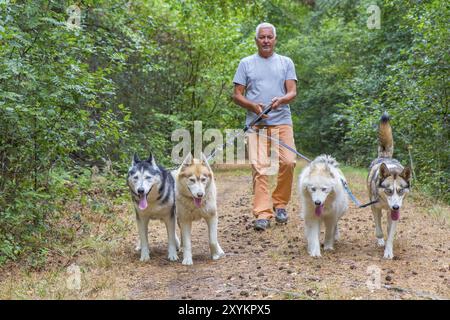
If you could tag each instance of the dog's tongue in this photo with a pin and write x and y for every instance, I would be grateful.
(319, 210)
(198, 202)
(395, 214)
(143, 202)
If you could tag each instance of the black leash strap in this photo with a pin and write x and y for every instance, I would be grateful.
(368, 204)
(258, 117)
(344, 183)
(350, 194)
(251, 124)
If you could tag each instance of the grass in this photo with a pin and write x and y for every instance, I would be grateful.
(53, 285)
(95, 255)
(432, 206)
(89, 227)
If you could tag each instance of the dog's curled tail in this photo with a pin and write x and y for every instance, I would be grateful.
(385, 140)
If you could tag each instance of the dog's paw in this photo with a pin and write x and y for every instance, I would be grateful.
(314, 253)
(187, 258)
(388, 254)
(172, 257)
(218, 255)
(328, 248)
(380, 242)
(187, 261)
(313, 248)
(145, 257)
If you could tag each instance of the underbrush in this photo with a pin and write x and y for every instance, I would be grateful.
(56, 224)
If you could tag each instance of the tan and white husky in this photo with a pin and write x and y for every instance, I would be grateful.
(388, 182)
(195, 197)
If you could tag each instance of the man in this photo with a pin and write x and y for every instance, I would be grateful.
(261, 79)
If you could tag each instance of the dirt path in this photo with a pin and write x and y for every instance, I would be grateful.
(273, 264)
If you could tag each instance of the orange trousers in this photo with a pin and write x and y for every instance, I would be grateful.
(269, 158)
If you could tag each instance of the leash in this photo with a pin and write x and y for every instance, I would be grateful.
(283, 144)
(258, 117)
(355, 201)
(246, 128)
(344, 183)
(256, 120)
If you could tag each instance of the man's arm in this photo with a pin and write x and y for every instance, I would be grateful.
(291, 93)
(240, 99)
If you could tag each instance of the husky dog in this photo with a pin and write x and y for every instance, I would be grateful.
(388, 182)
(153, 194)
(195, 199)
(323, 198)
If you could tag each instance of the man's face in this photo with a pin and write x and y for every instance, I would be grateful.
(266, 42)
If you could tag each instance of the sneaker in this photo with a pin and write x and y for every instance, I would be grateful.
(281, 215)
(261, 224)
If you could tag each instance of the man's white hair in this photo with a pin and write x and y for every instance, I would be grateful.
(266, 25)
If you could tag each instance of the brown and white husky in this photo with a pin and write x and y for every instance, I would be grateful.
(389, 183)
(195, 197)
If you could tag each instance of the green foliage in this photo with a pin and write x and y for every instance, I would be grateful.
(350, 74)
(410, 76)
(56, 109)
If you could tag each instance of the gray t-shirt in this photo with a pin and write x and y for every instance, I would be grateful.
(264, 79)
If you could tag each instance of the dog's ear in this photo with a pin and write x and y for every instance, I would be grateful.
(151, 160)
(187, 161)
(406, 173)
(135, 159)
(384, 171)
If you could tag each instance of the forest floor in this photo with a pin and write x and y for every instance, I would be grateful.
(272, 264)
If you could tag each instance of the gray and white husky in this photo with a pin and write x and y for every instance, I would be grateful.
(153, 194)
(388, 182)
(323, 198)
(196, 199)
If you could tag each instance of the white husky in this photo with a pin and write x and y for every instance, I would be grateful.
(195, 196)
(323, 198)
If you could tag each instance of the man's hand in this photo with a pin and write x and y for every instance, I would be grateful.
(291, 93)
(276, 102)
(258, 108)
(240, 99)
